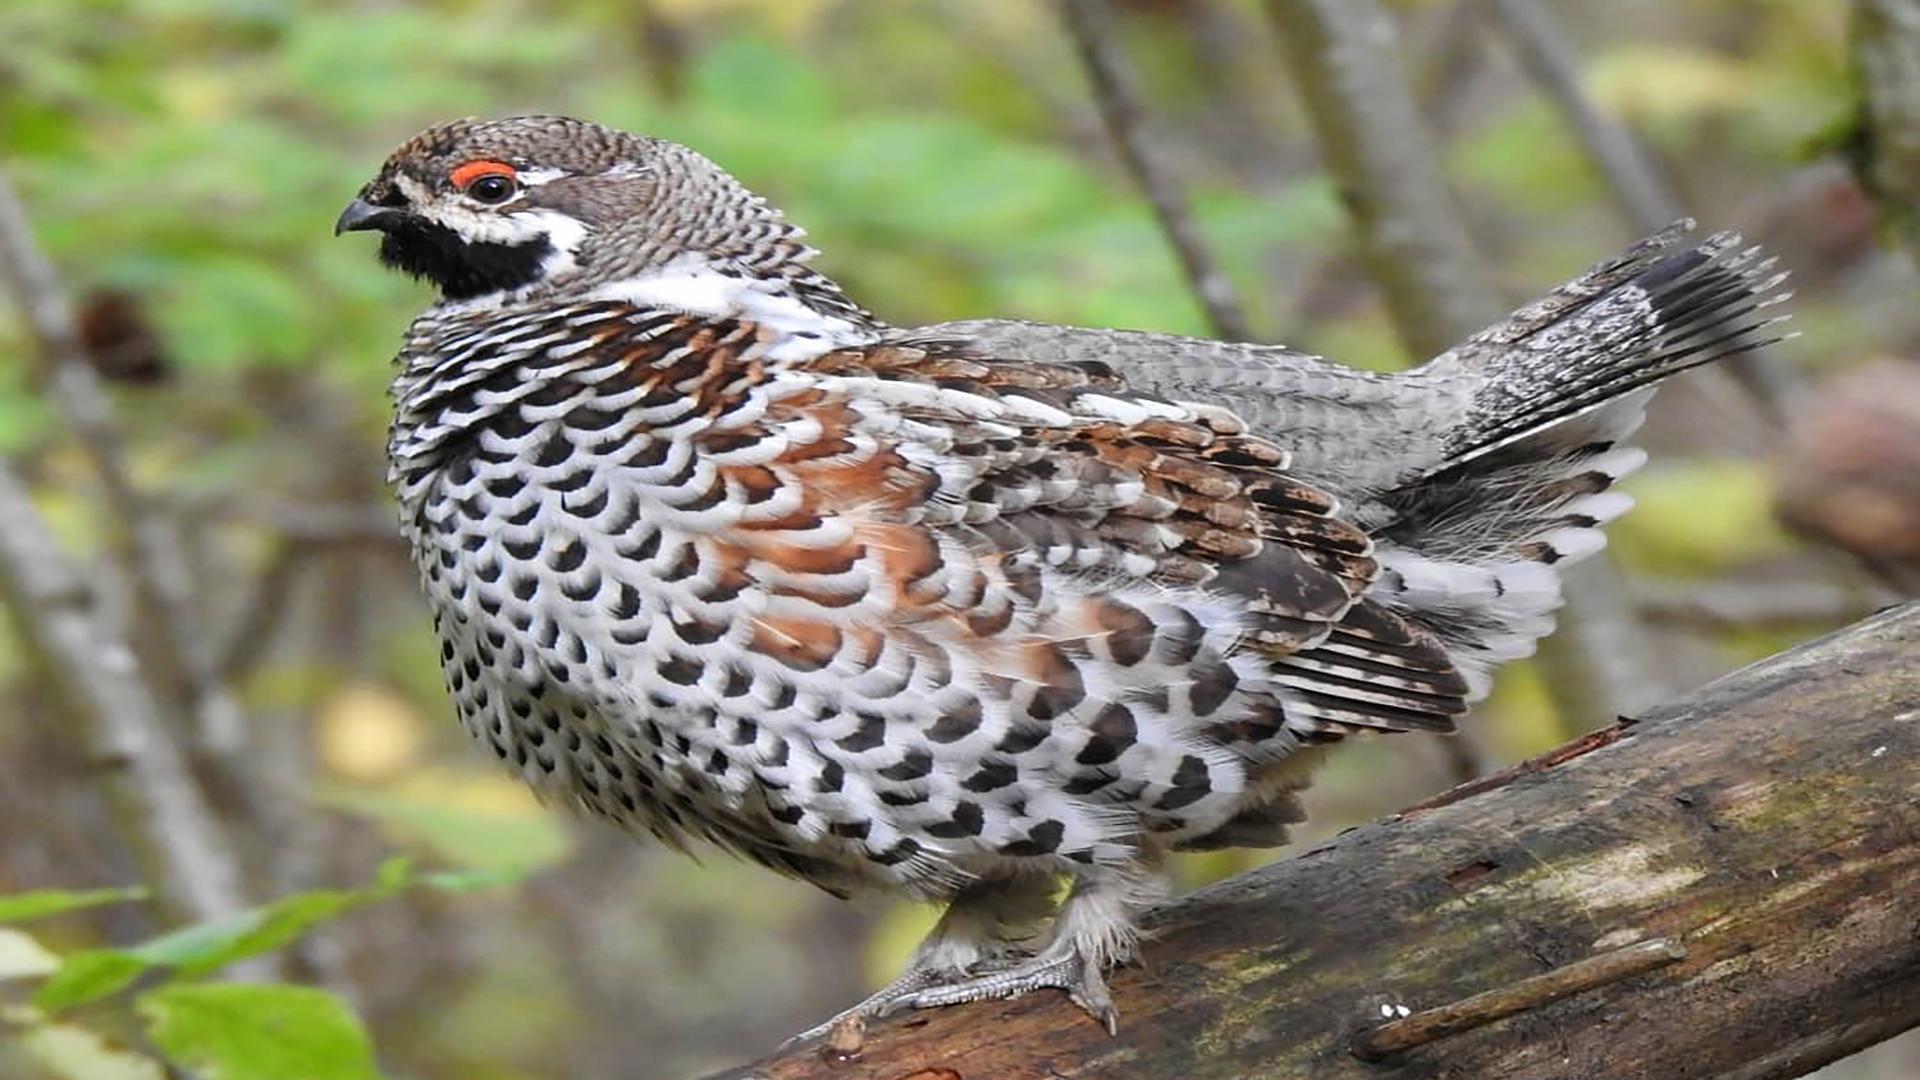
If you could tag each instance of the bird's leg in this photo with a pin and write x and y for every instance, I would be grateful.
(1093, 932)
(974, 934)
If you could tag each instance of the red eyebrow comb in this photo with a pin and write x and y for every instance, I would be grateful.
(473, 170)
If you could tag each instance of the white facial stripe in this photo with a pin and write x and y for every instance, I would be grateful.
(537, 176)
(505, 225)
(415, 191)
(564, 232)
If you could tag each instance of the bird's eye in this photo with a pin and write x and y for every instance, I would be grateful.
(492, 188)
(490, 182)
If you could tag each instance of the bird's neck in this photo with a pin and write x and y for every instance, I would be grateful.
(802, 313)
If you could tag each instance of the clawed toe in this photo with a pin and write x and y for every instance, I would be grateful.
(1083, 982)
(1090, 993)
(973, 953)
(999, 978)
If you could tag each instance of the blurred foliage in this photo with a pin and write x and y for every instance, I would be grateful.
(193, 154)
(247, 1031)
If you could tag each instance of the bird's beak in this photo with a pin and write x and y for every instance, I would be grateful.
(361, 215)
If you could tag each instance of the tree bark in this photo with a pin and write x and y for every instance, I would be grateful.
(1726, 887)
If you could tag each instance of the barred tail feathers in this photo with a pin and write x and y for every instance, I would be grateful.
(1627, 323)
(1474, 551)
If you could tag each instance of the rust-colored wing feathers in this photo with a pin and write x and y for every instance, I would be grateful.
(1185, 494)
(1024, 465)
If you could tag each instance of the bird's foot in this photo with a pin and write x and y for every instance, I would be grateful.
(888, 999)
(1055, 969)
(998, 977)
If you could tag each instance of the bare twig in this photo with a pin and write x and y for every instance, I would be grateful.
(302, 531)
(1090, 23)
(1644, 196)
(1431, 1025)
(1646, 200)
(1748, 604)
(178, 837)
(338, 524)
(264, 613)
(1344, 59)
(157, 565)
(1445, 79)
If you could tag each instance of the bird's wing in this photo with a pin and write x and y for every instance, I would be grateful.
(1065, 466)
(1349, 429)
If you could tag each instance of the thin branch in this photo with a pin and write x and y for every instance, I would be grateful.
(1749, 604)
(1345, 60)
(1541, 44)
(1448, 75)
(324, 524)
(1645, 198)
(157, 565)
(179, 839)
(263, 615)
(1527, 995)
(1091, 24)
(1444, 81)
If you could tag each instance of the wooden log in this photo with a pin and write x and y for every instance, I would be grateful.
(1727, 887)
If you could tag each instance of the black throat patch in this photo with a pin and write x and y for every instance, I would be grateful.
(462, 269)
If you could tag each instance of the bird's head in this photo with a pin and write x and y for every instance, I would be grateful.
(481, 207)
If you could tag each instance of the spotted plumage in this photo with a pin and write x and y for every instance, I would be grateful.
(959, 610)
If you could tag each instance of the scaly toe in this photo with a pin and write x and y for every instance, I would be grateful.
(883, 1003)
(1083, 983)
(1091, 995)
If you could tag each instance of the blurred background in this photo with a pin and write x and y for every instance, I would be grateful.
(192, 413)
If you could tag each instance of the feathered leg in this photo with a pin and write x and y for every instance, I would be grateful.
(1093, 931)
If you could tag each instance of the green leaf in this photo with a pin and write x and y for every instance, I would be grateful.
(394, 874)
(195, 951)
(89, 976)
(208, 947)
(21, 957)
(238, 1032)
(38, 905)
(74, 1053)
